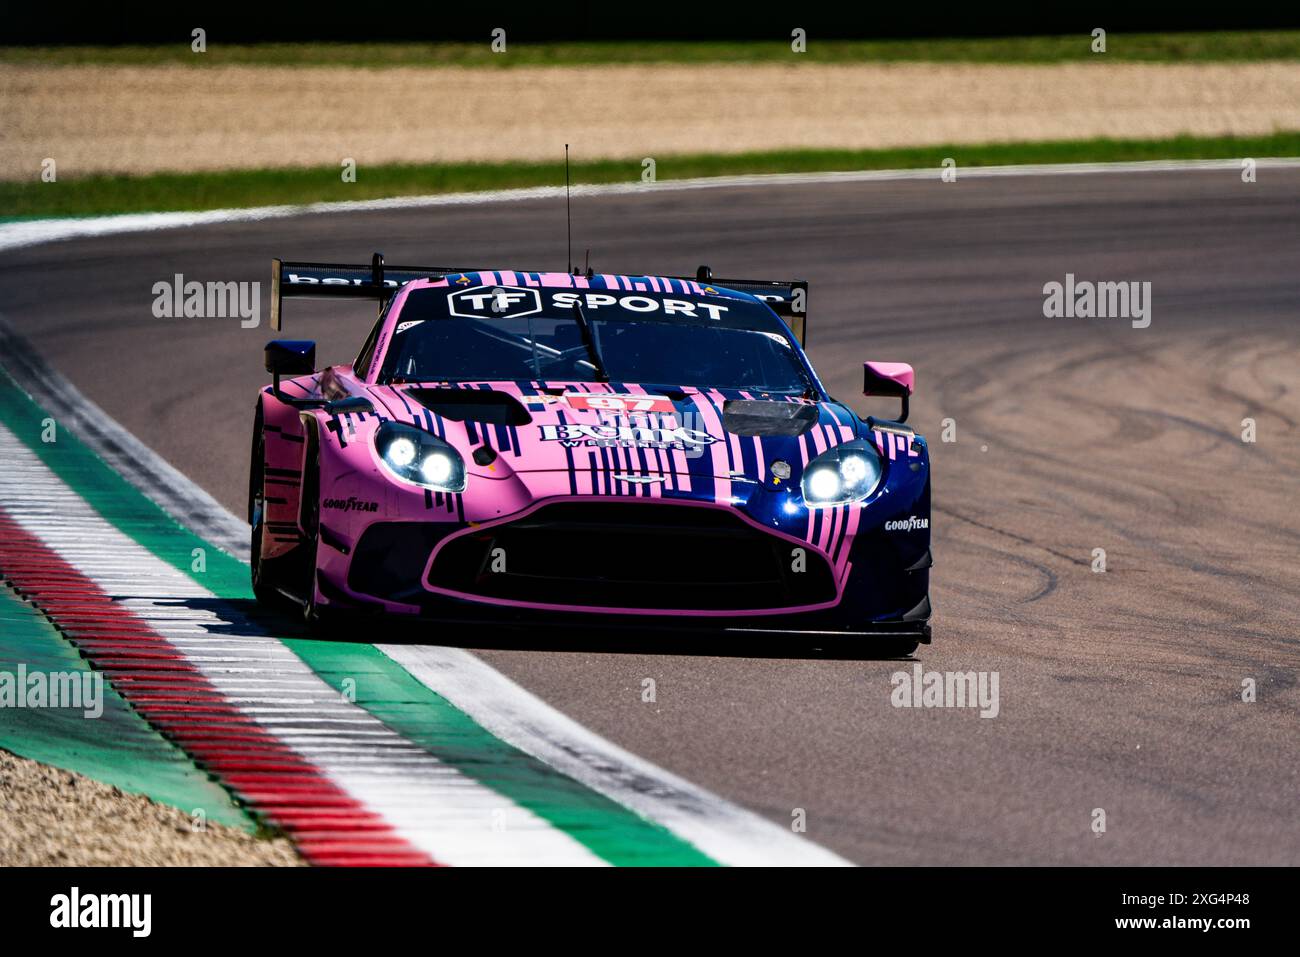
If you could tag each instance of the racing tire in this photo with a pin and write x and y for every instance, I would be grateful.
(265, 587)
(321, 620)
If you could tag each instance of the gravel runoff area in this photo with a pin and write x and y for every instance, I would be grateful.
(136, 120)
(49, 816)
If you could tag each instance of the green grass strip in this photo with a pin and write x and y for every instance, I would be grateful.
(104, 195)
(1244, 45)
(382, 686)
(118, 747)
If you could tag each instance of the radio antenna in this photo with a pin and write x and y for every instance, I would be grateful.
(568, 216)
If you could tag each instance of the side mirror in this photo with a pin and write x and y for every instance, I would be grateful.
(891, 379)
(290, 357)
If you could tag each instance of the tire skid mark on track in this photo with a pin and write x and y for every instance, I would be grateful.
(1023, 540)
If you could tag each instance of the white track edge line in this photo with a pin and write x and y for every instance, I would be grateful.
(724, 831)
(34, 232)
(140, 465)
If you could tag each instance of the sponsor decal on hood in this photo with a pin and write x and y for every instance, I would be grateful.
(627, 436)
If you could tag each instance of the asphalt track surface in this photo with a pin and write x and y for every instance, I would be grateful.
(1118, 690)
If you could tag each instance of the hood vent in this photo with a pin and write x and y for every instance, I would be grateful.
(472, 405)
(759, 417)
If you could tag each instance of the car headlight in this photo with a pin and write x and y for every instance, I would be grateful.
(847, 473)
(416, 456)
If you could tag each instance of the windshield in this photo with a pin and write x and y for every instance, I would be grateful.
(526, 333)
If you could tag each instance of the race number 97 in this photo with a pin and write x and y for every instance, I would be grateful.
(619, 402)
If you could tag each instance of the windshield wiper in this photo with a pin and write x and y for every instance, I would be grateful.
(589, 340)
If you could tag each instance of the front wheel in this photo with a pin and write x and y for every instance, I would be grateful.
(264, 587)
(264, 590)
(321, 620)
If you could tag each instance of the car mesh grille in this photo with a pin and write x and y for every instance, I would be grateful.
(633, 555)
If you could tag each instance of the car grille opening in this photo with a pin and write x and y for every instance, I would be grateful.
(633, 555)
(390, 559)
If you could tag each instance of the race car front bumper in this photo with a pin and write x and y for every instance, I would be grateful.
(614, 564)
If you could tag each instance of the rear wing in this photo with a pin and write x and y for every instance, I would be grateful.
(380, 282)
(789, 300)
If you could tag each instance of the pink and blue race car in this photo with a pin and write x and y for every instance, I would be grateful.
(587, 448)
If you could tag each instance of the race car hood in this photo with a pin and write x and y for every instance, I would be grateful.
(622, 427)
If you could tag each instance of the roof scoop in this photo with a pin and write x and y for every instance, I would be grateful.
(761, 417)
